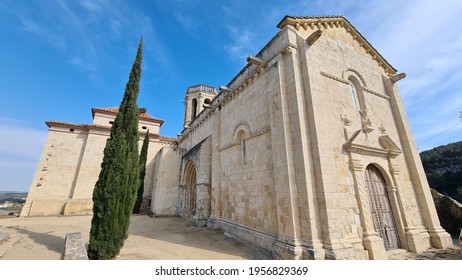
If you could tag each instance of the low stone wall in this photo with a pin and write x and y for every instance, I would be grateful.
(74, 247)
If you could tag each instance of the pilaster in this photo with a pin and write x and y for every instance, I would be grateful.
(284, 181)
(439, 238)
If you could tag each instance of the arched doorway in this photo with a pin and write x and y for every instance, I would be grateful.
(189, 196)
(382, 214)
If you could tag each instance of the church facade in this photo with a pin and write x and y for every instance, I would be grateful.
(307, 153)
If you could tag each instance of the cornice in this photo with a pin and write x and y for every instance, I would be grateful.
(338, 21)
(342, 80)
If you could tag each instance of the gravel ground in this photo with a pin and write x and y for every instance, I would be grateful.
(42, 238)
(164, 238)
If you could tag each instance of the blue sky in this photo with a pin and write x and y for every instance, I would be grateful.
(58, 59)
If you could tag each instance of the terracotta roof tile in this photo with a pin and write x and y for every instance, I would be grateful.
(105, 127)
(56, 123)
(115, 110)
(169, 139)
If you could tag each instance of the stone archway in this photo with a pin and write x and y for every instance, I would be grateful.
(381, 210)
(189, 191)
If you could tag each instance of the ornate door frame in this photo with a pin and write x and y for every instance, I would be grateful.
(380, 156)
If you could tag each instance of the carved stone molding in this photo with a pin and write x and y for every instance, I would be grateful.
(388, 147)
(356, 165)
(345, 120)
(376, 93)
(253, 135)
(335, 78)
(338, 21)
(342, 80)
(361, 78)
(365, 121)
(291, 48)
(242, 126)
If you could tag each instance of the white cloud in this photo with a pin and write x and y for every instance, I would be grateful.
(242, 43)
(189, 23)
(90, 6)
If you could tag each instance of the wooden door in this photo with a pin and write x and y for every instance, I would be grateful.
(382, 214)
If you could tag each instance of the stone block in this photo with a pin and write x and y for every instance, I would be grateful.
(74, 247)
(78, 207)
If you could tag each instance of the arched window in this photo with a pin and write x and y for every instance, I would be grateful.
(354, 98)
(207, 101)
(356, 93)
(193, 108)
(241, 140)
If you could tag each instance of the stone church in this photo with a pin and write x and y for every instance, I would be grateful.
(307, 153)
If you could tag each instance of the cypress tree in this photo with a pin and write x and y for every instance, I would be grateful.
(143, 159)
(115, 190)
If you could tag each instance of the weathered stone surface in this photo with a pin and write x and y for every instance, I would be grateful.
(432, 254)
(74, 247)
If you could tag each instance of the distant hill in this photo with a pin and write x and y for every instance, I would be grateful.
(13, 192)
(443, 167)
(12, 196)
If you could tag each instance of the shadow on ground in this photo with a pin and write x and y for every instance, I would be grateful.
(52, 242)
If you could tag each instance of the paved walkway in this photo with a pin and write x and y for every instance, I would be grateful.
(165, 238)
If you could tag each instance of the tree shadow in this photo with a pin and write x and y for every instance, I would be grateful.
(53, 243)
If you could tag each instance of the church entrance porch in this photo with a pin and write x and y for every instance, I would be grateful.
(382, 214)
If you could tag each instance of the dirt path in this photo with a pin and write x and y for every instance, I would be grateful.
(42, 238)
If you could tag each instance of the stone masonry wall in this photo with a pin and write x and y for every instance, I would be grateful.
(163, 181)
(69, 168)
(56, 171)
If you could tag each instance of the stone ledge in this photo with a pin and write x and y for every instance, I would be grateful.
(74, 247)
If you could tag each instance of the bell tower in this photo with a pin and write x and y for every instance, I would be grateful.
(196, 97)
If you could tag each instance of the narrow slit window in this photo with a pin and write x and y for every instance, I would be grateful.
(354, 98)
(241, 140)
